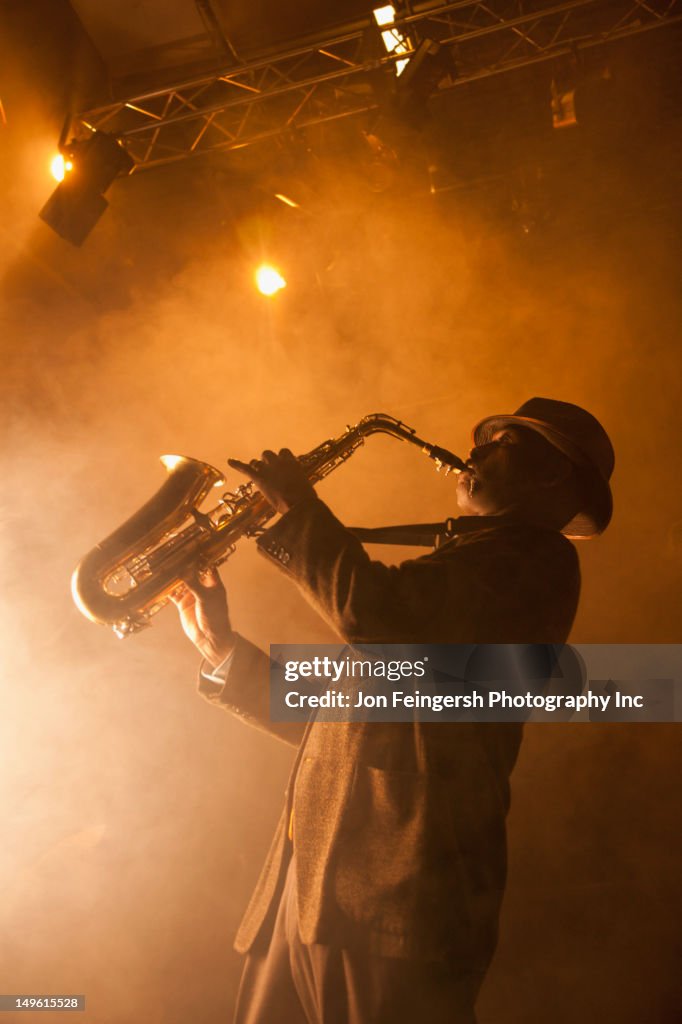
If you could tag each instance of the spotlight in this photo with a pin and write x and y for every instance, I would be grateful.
(60, 166)
(287, 200)
(77, 203)
(429, 65)
(384, 15)
(269, 281)
(393, 39)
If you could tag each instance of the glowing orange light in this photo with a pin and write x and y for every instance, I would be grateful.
(269, 281)
(287, 200)
(59, 167)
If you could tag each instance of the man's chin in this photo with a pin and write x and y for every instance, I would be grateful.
(472, 499)
(467, 496)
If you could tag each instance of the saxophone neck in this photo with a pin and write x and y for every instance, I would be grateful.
(382, 423)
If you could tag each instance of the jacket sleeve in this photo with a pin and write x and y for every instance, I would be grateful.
(364, 601)
(513, 586)
(246, 690)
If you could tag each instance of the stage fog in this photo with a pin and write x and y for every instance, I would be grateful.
(135, 816)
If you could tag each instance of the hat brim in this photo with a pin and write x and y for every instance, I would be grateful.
(596, 516)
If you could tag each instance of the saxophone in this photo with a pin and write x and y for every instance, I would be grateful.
(130, 575)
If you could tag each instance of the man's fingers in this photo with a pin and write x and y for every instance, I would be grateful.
(210, 578)
(267, 458)
(242, 467)
(182, 597)
(281, 478)
(284, 454)
(204, 583)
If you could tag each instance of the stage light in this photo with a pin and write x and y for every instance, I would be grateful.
(77, 203)
(428, 66)
(287, 201)
(60, 166)
(269, 281)
(384, 15)
(393, 39)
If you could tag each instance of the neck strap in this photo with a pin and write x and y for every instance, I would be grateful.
(427, 535)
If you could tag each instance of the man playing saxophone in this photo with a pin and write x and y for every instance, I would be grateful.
(380, 897)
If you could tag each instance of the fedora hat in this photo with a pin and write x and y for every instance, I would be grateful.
(581, 437)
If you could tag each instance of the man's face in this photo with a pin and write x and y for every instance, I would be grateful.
(502, 472)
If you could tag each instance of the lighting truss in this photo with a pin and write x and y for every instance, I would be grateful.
(329, 79)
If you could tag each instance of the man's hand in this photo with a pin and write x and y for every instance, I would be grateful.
(281, 479)
(202, 605)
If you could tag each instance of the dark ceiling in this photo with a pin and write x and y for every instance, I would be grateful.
(135, 36)
(491, 132)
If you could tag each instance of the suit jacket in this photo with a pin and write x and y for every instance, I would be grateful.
(399, 828)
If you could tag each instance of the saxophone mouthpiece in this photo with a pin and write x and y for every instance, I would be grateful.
(444, 459)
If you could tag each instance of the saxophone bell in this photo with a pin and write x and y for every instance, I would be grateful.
(130, 575)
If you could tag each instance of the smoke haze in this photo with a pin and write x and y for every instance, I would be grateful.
(135, 816)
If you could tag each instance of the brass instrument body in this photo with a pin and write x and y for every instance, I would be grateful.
(148, 556)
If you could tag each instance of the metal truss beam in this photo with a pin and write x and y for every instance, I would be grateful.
(330, 79)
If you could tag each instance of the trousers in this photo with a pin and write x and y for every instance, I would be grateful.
(295, 983)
